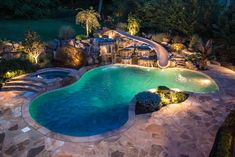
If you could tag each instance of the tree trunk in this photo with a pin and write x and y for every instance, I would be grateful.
(100, 6)
(36, 60)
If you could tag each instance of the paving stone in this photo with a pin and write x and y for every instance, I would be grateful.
(11, 150)
(117, 154)
(185, 136)
(164, 154)
(143, 153)
(2, 137)
(35, 151)
(63, 155)
(13, 128)
(155, 150)
(132, 152)
(208, 112)
(21, 146)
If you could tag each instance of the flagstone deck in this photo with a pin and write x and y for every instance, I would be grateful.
(179, 130)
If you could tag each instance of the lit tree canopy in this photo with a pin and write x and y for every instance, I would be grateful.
(33, 45)
(89, 18)
(133, 25)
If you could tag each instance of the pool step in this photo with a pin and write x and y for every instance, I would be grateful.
(27, 82)
(27, 79)
(20, 88)
(22, 83)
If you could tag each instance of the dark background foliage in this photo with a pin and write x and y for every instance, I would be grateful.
(210, 19)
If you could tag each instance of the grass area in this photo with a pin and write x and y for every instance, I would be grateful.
(47, 28)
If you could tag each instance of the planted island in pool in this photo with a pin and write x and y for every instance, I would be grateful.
(99, 101)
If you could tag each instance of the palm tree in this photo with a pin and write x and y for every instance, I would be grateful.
(89, 17)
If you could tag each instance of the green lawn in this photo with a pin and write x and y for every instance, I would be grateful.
(47, 28)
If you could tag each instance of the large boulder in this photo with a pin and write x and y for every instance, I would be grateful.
(147, 102)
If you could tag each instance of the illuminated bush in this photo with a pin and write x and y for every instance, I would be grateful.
(11, 74)
(80, 37)
(164, 99)
(177, 47)
(15, 65)
(161, 37)
(169, 96)
(177, 97)
(133, 25)
(69, 56)
(177, 39)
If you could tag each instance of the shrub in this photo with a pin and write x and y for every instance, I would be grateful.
(46, 61)
(69, 56)
(158, 37)
(223, 145)
(1, 82)
(177, 39)
(80, 37)
(11, 74)
(66, 32)
(121, 26)
(230, 120)
(164, 99)
(177, 97)
(194, 41)
(133, 24)
(177, 47)
(194, 57)
(170, 96)
(14, 67)
(163, 89)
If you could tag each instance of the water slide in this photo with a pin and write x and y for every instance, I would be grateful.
(162, 53)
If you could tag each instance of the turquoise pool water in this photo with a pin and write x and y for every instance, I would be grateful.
(99, 101)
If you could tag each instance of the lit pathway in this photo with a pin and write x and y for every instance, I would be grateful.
(162, 53)
(179, 130)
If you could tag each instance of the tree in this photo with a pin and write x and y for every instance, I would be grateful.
(89, 17)
(66, 32)
(133, 25)
(33, 45)
(224, 36)
(37, 49)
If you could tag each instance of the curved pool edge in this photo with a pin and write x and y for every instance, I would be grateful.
(46, 132)
(195, 71)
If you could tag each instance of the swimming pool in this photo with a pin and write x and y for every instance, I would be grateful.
(98, 102)
(52, 74)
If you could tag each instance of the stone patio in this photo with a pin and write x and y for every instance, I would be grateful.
(178, 130)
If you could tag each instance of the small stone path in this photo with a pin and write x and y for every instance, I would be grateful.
(178, 130)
